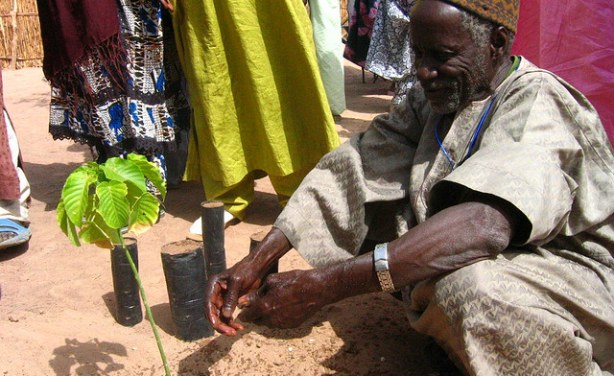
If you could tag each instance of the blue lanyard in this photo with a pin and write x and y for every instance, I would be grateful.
(474, 138)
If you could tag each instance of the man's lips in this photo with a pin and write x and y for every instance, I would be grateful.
(434, 89)
(436, 92)
(434, 86)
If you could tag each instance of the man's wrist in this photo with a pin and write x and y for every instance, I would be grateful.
(382, 269)
(269, 249)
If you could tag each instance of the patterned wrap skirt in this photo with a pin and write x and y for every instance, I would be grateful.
(141, 114)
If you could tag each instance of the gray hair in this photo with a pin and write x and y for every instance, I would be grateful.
(479, 28)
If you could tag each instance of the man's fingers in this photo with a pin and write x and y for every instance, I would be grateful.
(213, 307)
(243, 303)
(250, 314)
(229, 329)
(247, 299)
(230, 298)
(223, 326)
(249, 303)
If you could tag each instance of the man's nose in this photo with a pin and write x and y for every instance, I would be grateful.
(426, 72)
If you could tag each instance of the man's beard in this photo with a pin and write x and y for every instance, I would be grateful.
(461, 93)
(453, 102)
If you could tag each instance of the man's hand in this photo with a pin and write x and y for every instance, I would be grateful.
(223, 291)
(285, 300)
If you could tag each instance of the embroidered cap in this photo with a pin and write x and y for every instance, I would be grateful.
(502, 12)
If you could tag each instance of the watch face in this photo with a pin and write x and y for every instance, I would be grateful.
(380, 257)
(381, 264)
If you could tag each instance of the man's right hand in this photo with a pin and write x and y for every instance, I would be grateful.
(223, 292)
(224, 289)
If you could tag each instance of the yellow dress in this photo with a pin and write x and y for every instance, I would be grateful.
(255, 89)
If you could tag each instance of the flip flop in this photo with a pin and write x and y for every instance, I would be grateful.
(196, 232)
(12, 234)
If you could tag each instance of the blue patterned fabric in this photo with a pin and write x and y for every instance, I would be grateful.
(135, 115)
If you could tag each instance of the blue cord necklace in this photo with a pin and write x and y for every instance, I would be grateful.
(476, 133)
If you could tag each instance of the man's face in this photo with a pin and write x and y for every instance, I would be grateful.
(451, 68)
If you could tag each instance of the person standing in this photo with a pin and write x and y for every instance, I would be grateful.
(389, 54)
(257, 97)
(105, 61)
(326, 24)
(360, 30)
(14, 186)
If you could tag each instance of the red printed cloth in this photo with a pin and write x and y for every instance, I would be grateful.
(9, 182)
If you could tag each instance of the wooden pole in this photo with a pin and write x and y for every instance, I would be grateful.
(14, 41)
(213, 237)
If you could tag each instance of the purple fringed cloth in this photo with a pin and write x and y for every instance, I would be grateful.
(72, 28)
(9, 182)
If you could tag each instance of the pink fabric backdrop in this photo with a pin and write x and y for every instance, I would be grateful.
(574, 39)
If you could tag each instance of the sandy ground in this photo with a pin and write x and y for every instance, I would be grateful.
(57, 305)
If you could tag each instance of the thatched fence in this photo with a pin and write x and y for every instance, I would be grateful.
(20, 39)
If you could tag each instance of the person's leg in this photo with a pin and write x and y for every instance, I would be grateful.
(236, 199)
(16, 209)
(329, 47)
(521, 314)
(285, 186)
(14, 212)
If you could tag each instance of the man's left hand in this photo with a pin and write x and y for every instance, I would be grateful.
(285, 300)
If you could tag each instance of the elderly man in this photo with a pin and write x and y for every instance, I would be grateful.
(490, 195)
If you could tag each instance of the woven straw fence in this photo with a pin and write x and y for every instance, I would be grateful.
(20, 39)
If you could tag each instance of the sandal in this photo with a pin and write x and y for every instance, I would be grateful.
(196, 230)
(12, 233)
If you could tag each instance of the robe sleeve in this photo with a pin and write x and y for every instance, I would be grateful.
(544, 152)
(326, 218)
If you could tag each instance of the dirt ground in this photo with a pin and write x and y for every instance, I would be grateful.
(57, 304)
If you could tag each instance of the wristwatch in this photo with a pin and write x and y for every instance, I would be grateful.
(380, 263)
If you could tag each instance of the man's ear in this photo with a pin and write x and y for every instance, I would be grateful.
(499, 41)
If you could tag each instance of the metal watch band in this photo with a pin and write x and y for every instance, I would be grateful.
(380, 263)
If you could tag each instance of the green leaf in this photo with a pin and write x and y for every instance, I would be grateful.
(68, 228)
(90, 209)
(112, 203)
(113, 235)
(75, 193)
(124, 170)
(61, 217)
(72, 235)
(151, 172)
(144, 213)
(120, 199)
(92, 234)
(134, 193)
(98, 232)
